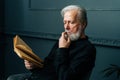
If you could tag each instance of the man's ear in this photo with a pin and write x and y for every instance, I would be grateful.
(84, 25)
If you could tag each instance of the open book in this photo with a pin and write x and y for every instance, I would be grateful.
(25, 52)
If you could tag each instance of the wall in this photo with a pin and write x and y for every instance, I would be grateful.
(39, 23)
(1, 39)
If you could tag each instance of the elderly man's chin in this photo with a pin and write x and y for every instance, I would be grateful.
(74, 36)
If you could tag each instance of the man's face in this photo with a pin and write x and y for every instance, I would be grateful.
(72, 25)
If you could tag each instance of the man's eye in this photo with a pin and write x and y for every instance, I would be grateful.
(72, 22)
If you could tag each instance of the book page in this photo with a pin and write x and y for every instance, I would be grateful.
(25, 52)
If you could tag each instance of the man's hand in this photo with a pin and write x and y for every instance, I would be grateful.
(64, 42)
(29, 65)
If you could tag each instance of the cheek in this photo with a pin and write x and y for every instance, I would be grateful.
(74, 29)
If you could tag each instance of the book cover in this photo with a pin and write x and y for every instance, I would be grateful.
(25, 52)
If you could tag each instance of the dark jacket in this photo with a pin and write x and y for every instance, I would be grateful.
(72, 63)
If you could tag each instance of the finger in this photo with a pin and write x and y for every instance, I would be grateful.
(69, 39)
(26, 61)
(66, 35)
(63, 33)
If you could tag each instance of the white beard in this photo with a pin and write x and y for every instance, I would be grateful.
(74, 36)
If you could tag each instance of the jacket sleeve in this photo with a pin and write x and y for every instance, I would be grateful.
(76, 67)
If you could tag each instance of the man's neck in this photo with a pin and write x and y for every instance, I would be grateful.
(83, 36)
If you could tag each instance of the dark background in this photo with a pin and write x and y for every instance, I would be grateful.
(39, 24)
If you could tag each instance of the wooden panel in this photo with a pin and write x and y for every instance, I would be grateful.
(58, 4)
(104, 24)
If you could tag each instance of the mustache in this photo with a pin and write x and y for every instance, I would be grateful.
(67, 31)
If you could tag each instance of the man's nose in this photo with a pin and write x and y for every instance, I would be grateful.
(67, 26)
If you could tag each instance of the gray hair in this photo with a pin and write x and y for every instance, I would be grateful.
(82, 14)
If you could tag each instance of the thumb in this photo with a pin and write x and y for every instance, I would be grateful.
(68, 40)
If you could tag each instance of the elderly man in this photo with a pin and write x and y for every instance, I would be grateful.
(72, 57)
